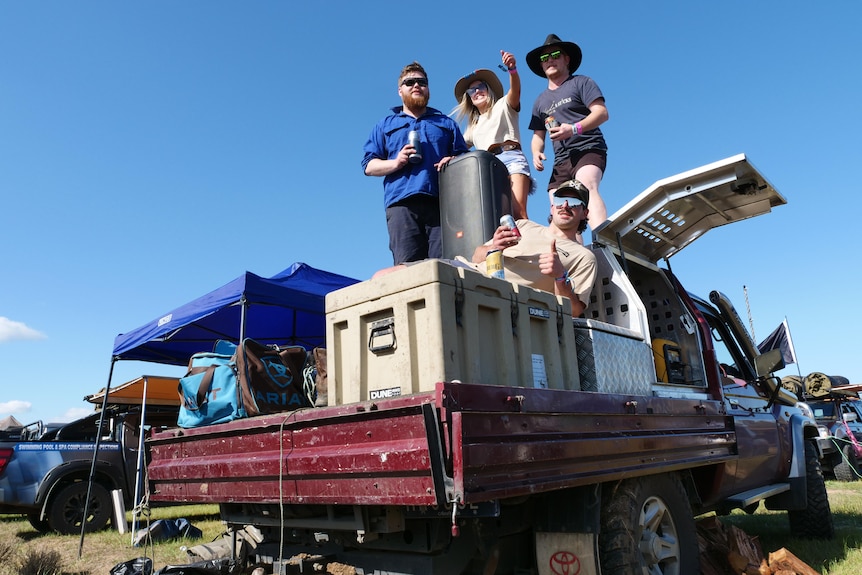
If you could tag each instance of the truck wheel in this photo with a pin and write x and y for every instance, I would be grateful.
(647, 527)
(38, 524)
(66, 510)
(815, 521)
(848, 468)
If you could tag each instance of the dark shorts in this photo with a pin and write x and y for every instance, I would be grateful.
(414, 229)
(577, 160)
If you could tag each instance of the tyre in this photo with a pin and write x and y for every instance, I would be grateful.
(38, 524)
(815, 521)
(647, 527)
(848, 468)
(66, 510)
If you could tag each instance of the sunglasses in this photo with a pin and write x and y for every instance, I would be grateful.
(481, 87)
(410, 82)
(552, 56)
(559, 202)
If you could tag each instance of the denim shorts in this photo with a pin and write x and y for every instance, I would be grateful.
(516, 162)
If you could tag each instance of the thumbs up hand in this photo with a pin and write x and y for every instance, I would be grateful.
(550, 264)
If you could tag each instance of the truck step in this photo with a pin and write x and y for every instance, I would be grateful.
(752, 496)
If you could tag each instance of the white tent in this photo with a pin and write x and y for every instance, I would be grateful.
(9, 422)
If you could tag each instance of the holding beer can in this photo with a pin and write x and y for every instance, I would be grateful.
(413, 140)
(551, 122)
(494, 264)
(508, 221)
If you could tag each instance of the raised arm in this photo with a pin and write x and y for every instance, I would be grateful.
(514, 93)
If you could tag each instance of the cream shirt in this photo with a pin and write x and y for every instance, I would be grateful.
(494, 127)
(521, 261)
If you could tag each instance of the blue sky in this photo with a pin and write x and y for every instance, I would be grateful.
(153, 151)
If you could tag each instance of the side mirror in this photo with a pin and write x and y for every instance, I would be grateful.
(766, 363)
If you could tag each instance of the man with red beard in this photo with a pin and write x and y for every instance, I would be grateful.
(410, 190)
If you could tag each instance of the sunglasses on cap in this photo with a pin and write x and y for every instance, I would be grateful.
(410, 82)
(480, 87)
(559, 202)
(552, 56)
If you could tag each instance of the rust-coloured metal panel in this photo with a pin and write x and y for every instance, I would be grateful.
(364, 455)
(468, 442)
(540, 440)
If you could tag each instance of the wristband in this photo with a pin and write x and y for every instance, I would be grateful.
(562, 279)
(578, 128)
(513, 70)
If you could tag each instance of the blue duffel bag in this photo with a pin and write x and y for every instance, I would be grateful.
(209, 392)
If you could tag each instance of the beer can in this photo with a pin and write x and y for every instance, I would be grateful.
(494, 264)
(509, 222)
(413, 140)
(551, 122)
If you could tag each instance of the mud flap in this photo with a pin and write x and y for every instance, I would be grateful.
(566, 553)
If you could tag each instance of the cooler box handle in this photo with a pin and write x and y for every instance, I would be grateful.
(382, 337)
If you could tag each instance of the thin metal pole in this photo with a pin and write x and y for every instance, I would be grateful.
(95, 459)
(750, 319)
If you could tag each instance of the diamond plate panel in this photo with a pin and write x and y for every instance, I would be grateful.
(611, 363)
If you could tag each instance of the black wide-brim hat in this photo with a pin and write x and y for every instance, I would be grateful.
(572, 50)
(490, 78)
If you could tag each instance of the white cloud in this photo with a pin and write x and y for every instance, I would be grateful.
(75, 413)
(15, 330)
(15, 406)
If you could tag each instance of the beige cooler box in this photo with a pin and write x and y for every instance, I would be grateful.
(403, 332)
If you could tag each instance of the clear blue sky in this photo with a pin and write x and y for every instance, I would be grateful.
(153, 151)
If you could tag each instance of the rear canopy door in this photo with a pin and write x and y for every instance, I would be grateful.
(675, 211)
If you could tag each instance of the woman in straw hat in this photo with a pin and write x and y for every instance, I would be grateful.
(492, 124)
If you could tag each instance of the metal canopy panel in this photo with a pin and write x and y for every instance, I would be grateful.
(675, 211)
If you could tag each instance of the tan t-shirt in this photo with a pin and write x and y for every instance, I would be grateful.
(521, 261)
(497, 126)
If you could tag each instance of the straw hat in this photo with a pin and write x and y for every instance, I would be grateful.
(483, 74)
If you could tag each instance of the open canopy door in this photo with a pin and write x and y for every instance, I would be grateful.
(675, 211)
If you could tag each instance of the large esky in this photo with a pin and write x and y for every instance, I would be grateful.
(153, 151)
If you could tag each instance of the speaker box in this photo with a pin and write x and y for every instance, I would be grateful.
(474, 193)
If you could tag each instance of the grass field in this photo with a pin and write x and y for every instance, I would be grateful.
(23, 551)
(33, 553)
(840, 556)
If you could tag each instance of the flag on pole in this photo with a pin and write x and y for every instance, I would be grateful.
(780, 339)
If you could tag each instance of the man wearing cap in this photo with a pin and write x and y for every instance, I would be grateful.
(546, 258)
(410, 188)
(577, 106)
(550, 258)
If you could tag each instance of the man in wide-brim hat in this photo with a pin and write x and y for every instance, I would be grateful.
(570, 111)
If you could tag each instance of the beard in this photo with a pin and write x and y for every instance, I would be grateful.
(412, 100)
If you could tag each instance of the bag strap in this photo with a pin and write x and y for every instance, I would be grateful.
(205, 384)
(203, 387)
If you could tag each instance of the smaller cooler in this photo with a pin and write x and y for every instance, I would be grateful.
(474, 193)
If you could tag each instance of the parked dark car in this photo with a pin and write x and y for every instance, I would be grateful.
(839, 419)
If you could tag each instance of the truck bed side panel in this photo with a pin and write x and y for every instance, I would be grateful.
(552, 439)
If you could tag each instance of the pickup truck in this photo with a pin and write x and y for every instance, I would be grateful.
(674, 413)
(47, 478)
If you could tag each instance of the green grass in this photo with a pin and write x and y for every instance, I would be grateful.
(24, 551)
(840, 556)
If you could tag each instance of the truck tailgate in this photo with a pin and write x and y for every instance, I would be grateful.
(355, 454)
